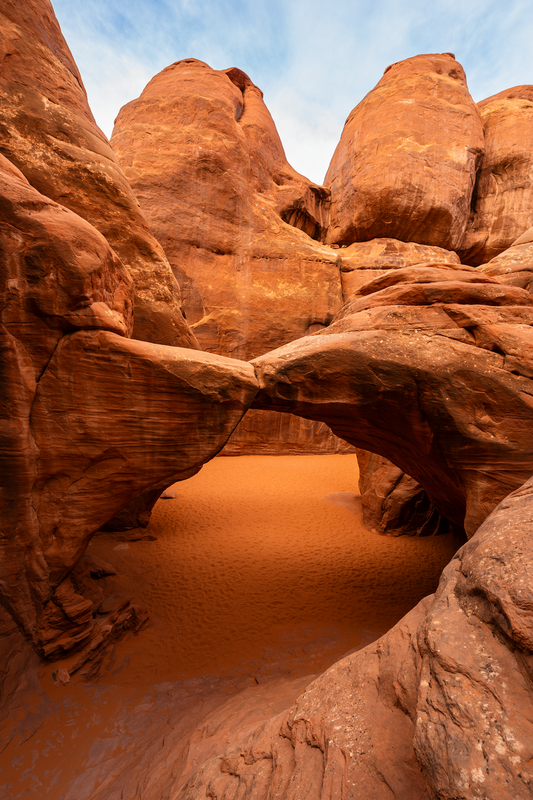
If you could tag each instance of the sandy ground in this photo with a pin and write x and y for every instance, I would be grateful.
(252, 558)
(261, 574)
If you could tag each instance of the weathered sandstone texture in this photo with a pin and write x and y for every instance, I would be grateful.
(361, 262)
(49, 133)
(429, 366)
(89, 418)
(503, 207)
(439, 707)
(203, 155)
(406, 162)
(515, 265)
(393, 503)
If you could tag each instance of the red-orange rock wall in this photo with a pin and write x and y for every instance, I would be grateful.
(503, 207)
(202, 153)
(406, 162)
(49, 133)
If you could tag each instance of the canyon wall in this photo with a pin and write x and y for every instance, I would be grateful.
(240, 227)
(344, 306)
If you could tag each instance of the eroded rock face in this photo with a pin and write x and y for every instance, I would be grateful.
(203, 156)
(439, 707)
(406, 163)
(49, 133)
(361, 262)
(504, 188)
(515, 265)
(393, 503)
(430, 367)
(202, 153)
(89, 418)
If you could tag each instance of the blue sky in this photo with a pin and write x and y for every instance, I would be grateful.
(314, 61)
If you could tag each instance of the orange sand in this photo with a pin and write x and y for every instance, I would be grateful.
(252, 563)
(255, 581)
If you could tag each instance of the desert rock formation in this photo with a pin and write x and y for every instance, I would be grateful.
(428, 366)
(393, 503)
(429, 363)
(515, 265)
(83, 403)
(205, 160)
(504, 188)
(361, 262)
(406, 163)
(49, 133)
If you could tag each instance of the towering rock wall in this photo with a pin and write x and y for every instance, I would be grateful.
(503, 200)
(49, 133)
(204, 158)
(89, 418)
(406, 162)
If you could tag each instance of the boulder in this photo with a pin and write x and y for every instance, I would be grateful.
(503, 198)
(203, 155)
(430, 367)
(49, 133)
(406, 162)
(438, 707)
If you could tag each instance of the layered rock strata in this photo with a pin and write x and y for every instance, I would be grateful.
(429, 366)
(439, 707)
(49, 133)
(515, 265)
(203, 155)
(503, 198)
(406, 162)
(361, 262)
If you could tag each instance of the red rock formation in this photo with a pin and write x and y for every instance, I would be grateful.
(438, 707)
(216, 196)
(504, 188)
(89, 418)
(393, 503)
(515, 265)
(430, 367)
(203, 156)
(406, 162)
(363, 261)
(49, 133)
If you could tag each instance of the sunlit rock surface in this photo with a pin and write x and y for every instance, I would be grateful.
(515, 265)
(363, 261)
(238, 224)
(405, 166)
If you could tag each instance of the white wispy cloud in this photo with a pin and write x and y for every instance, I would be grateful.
(313, 61)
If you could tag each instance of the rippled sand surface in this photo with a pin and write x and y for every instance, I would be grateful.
(263, 559)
